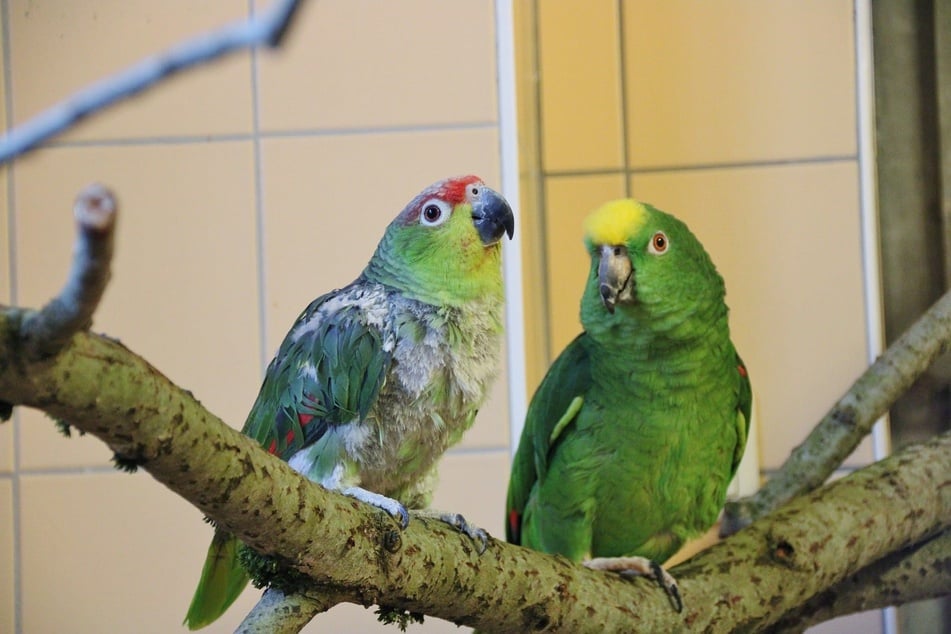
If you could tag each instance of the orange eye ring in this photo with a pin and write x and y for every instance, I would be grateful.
(658, 244)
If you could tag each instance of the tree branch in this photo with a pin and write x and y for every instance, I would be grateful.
(803, 549)
(48, 330)
(922, 571)
(276, 612)
(851, 418)
(267, 28)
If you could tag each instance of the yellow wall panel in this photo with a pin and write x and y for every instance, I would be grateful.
(580, 87)
(7, 581)
(738, 81)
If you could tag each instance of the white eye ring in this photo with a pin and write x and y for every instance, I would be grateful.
(659, 244)
(434, 212)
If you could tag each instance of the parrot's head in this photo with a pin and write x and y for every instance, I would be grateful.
(444, 248)
(646, 265)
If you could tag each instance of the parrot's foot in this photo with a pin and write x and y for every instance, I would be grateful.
(641, 566)
(458, 522)
(476, 534)
(391, 506)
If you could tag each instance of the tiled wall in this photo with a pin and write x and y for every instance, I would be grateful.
(246, 190)
(740, 117)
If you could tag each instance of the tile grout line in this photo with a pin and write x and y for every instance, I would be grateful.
(258, 206)
(273, 134)
(65, 471)
(622, 80)
(542, 180)
(15, 489)
(695, 167)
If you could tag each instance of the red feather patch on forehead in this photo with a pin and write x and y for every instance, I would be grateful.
(451, 190)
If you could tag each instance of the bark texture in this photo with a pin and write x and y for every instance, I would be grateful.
(357, 553)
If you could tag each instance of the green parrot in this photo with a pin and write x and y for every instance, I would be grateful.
(374, 381)
(636, 430)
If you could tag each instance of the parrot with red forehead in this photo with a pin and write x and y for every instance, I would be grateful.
(634, 434)
(375, 381)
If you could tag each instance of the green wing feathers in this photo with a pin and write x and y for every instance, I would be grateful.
(744, 406)
(568, 379)
(328, 371)
(222, 581)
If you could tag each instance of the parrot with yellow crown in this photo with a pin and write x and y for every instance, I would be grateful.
(634, 434)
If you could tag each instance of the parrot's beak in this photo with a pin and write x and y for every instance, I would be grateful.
(615, 276)
(492, 216)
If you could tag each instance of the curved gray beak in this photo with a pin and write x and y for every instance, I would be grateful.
(492, 216)
(615, 276)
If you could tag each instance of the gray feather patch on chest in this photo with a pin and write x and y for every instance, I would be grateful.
(442, 362)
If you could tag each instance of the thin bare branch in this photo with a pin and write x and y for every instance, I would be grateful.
(47, 331)
(267, 28)
(277, 613)
(851, 418)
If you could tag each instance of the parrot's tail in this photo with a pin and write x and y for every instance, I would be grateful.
(222, 580)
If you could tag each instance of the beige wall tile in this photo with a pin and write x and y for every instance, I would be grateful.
(568, 201)
(792, 264)
(738, 81)
(6, 447)
(60, 47)
(110, 550)
(865, 622)
(42, 446)
(328, 201)
(6, 556)
(184, 286)
(579, 67)
(360, 63)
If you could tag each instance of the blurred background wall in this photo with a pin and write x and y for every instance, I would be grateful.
(250, 187)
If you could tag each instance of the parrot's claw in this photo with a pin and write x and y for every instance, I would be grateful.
(391, 506)
(669, 584)
(476, 534)
(641, 566)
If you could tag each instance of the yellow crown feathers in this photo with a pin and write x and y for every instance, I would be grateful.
(615, 222)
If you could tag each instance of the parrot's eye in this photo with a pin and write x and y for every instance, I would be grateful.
(658, 244)
(435, 212)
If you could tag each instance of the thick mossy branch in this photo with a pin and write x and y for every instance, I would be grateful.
(922, 571)
(350, 551)
(851, 418)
